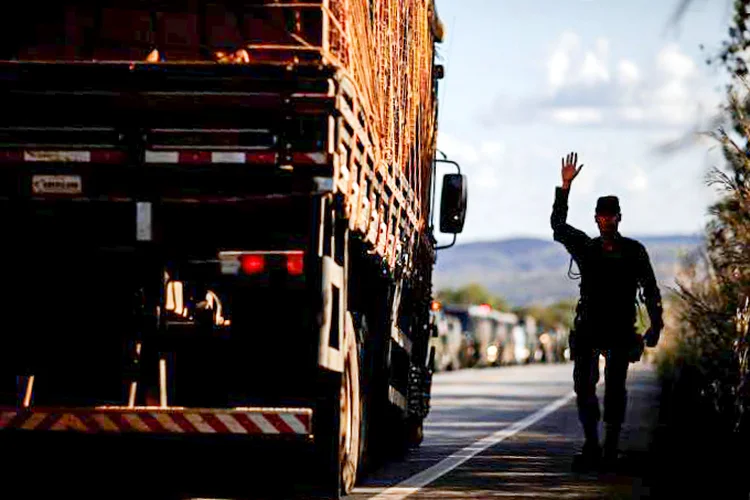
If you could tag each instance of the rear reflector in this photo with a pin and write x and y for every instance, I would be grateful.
(253, 263)
(295, 263)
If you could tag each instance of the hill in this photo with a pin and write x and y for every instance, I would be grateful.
(531, 270)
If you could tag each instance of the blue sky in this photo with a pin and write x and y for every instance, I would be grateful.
(528, 81)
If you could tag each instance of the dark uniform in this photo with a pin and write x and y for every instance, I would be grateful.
(606, 313)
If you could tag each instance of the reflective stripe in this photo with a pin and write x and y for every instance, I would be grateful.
(162, 157)
(199, 423)
(104, 422)
(246, 421)
(293, 422)
(231, 423)
(223, 157)
(34, 420)
(166, 421)
(69, 421)
(264, 425)
(135, 422)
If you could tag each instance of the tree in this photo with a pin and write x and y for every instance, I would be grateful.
(473, 293)
(559, 313)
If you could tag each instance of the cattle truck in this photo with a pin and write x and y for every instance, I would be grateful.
(218, 222)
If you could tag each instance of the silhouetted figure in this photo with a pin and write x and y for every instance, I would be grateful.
(612, 269)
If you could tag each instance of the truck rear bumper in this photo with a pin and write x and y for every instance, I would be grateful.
(280, 422)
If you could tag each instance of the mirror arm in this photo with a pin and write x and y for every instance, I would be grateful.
(455, 237)
(458, 167)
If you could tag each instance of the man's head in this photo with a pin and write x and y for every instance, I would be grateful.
(607, 215)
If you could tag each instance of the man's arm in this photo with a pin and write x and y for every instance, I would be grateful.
(652, 296)
(573, 239)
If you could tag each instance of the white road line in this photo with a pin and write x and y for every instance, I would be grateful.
(422, 479)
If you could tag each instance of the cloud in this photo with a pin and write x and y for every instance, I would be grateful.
(559, 62)
(639, 181)
(576, 115)
(585, 87)
(628, 73)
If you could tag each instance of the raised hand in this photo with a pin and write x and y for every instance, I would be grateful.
(569, 170)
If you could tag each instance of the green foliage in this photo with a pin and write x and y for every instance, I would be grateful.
(473, 293)
(710, 338)
(559, 313)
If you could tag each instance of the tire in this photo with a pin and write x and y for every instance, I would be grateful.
(414, 432)
(350, 428)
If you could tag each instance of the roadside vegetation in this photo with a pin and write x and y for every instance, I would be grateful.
(703, 355)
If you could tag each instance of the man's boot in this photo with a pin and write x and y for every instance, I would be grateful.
(591, 453)
(611, 442)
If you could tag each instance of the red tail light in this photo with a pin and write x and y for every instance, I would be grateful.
(295, 263)
(253, 263)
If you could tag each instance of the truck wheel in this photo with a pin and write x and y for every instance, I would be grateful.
(414, 432)
(351, 417)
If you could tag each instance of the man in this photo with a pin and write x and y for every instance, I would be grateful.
(612, 269)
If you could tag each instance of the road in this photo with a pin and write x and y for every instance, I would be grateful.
(505, 432)
(511, 433)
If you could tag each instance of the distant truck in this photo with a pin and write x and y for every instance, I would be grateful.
(449, 341)
(480, 325)
(219, 223)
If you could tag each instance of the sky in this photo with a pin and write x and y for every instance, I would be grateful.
(529, 81)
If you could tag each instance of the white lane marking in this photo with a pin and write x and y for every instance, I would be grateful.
(413, 484)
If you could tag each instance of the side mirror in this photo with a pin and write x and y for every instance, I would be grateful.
(453, 204)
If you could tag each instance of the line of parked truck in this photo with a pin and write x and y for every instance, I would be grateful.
(478, 335)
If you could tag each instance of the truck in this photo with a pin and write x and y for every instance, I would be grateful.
(219, 223)
(450, 341)
(479, 325)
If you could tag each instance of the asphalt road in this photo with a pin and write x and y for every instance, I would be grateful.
(511, 433)
(469, 405)
(507, 432)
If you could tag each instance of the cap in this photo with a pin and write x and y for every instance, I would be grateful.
(608, 205)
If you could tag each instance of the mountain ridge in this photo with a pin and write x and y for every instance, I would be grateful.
(526, 270)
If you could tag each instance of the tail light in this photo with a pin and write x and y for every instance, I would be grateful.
(253, 263)
(295, 263)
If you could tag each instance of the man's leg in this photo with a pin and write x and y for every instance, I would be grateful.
(585, 378)
(615, 398)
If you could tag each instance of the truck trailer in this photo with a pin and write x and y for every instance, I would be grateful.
(219, 222)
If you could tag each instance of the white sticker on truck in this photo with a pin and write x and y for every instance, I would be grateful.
(57, 156)
(56, 184)
(143, 221)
